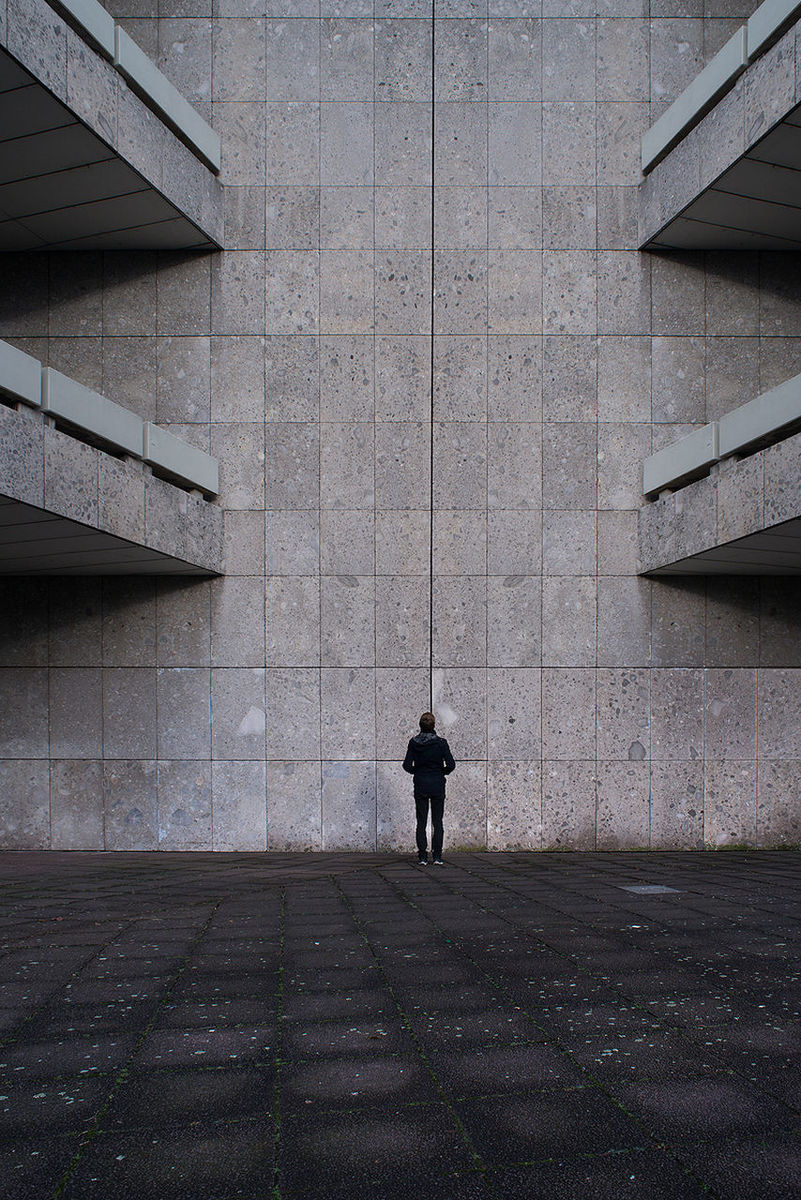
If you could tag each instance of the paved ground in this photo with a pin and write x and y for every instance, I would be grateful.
(203, 1027)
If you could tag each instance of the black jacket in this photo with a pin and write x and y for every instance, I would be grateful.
(429, 759)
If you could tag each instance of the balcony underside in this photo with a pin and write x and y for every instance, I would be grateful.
(755, 205)
(770, 552)
(35, 542)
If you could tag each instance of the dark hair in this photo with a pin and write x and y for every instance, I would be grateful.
(427, 722)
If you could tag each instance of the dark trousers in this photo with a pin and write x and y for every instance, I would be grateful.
(421, 804)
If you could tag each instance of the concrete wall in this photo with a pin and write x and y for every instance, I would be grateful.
(588, 707)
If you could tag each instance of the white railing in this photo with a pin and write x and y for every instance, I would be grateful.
(99, 28)
(69, 404)
(717, 78)
(766, 419)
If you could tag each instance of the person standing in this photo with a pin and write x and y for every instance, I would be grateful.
(429, 760)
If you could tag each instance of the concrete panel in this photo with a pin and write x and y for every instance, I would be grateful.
(623, 806)
(239, 807)
(76, 805)
(705, 89)
(184, 805)
(568, 714)
(730, 804)
(294, 806)
(76, 713)
(568, 805)
(23, 712)
(349, 806)
(22, 457)
(24, 804)
(514, 805)
(20, 375)
(677, 805)
(778, 819)
(157, 90)
(465, 820)
(130, 805)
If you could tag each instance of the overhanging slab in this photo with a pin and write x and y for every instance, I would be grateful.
(85, 163)
(745, 519)
(67, 508)
(733, 181)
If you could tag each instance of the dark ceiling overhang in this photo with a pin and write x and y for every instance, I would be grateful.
(36, 542)
(754, 205)
(102, 175)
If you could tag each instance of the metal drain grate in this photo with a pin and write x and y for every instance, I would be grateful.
(648, 889)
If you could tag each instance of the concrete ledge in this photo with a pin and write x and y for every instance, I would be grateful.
(170, 455)
(768, 22)
(91, 413)
(765, 417)
(743, 520)
(99, 419)
(92, 19)
(157, 91)
(20, 375)
(160, 193)
(728, 183)
(715, 79)
(691, 456)
(98, 27)
(71, 508)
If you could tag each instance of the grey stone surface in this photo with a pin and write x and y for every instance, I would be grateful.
(184, 804)
(415, 514)
(76, 712)
(23, 457)
(130, 805)
(238, 799)
(677, 805)
(76, 804)
(184, 713)
(623, 806)
(238, 719)
(25, 804)
(730, 803)
(568, 804)
(295, 814)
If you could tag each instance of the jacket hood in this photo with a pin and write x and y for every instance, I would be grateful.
(424, 737)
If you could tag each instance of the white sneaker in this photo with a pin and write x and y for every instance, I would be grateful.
(437, 862)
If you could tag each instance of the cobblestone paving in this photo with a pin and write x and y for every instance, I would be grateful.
(577, 1026)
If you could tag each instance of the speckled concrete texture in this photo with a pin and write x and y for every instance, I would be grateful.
(430, 361)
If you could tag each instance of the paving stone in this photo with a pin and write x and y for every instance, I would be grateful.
(182, 1097)
(571, 1024)
(33, 1167)
(182, 1164)
(68, 1105)
(638, 1175)
(396, 1148)
(561, 1124)
(679, 1111)
(354, 1082)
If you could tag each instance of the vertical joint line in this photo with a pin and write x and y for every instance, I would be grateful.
(431, 380)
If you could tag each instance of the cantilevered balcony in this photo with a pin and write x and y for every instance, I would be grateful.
(723, 163)
(89, 488)
(97, 148)
(729, 494)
